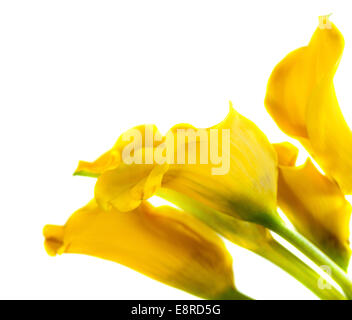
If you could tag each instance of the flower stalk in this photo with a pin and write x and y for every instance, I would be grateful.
(312, 252)
(286, 260)
(233, 294)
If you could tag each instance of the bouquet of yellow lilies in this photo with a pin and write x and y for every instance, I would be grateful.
(229, 180)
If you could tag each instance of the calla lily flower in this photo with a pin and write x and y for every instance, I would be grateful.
(314, 204)
(301, 99)
(246, 190)
(163, 243)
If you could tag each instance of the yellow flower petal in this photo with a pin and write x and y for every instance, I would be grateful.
(301, 99)
(330, 136)
(287, 94)
(245, 188)
(109, 160)
(293, 80)
(125, 187)
(162, 243)
(149, 134)
(248, 189)
(316, 207)
(286, 153)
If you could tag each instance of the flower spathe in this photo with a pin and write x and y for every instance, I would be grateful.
(314, 204)
(247, 190)
(163, 243)
(301, 99)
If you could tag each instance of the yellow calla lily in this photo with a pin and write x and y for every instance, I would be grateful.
(247, 189)
(314, 204)
(163, 243)
(301, 99)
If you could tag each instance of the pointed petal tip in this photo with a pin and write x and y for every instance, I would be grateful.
(80, 168)
(231, 115)
(83, 173)
(232, 110)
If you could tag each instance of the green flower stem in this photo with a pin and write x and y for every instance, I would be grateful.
(232, 294)
(283, 258)
(311, 252)
(271, 250)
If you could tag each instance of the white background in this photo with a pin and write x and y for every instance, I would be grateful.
(76, 74)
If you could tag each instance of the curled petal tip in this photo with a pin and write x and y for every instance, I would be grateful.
(54, 236)
(287, 153)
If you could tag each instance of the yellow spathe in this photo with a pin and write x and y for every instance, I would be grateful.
(314, 204)
(163, 243)
(301, 98)
(247, 190)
